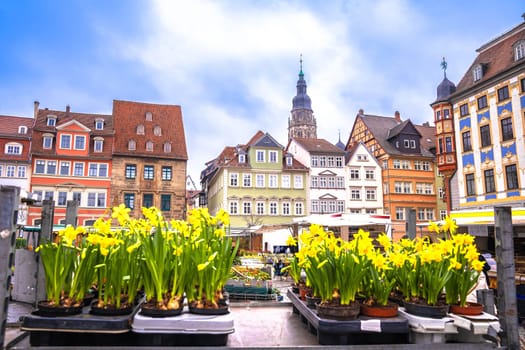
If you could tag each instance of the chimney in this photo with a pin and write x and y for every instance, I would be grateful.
(67, 109)
(427, 124)
(35, 111)
(397, 116)
(361, 112)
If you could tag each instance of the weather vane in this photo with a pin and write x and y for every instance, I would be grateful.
(444, 67)
(301, 61)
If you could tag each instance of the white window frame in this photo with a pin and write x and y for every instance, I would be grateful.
(259, 156)
(272, 155)
(298, 181)
(246, 180)
(98, 145)
(285, 208)
(77, 139)
(259, 208)
(285, 181)
(63, 139)
(234, 207)
(272, 181)
(299, 208)
(234, 180)
(259, 180)
(22, 171)
(13, 148)
(273, 208)
(246, 208)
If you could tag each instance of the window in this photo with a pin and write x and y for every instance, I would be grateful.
(298, 181)
(400, 213)
(242, 158)
(441, 193)
(259, 156)
(64, 168)
(467, 146)
(157, 131)
(397, 164)
(65, 141)
(339, 162)
(469, 182)
(148, 172)
(463, 110)
(166, 173)
(506, 129)
(477, 72)
(315, 207)
(92, 199)
(246, 180)
(132, 145)
(412, 144)
(21, 171)
(131, 171)
(62, 198)
(273, 156)
(522, 83)
(234, 179)
(80, 142)
(314, 161)
(40, 166)
(93, 169)
(285, 181)
(273, 208)
(385, 164)
(438, 115)
(149, 116)
(446, 113)
(129, 200)
(99, 124)
(234, 208)
(147, 200)
(503, 93)
(10, 171)
(98, 145)
(13, 148)
(322, 161)
(406, 143)
(259, 180)
(48, 195)
(370, 194)
(47, 142)
(51, 167)
(298, 208)
(340, 182)
(519, 51)
(482, 102)
(165, 202)
(448, 144)
(22, 129)
(140, 129)
(489, 181)
(405, 164)
(259, 208)
(286, 208)
(354, 174)
(355, 193)
(512, 177)
(149, 146)
(51, 120)
(421, 213)
(485, 135)
(272, 181)
(1, 170)
(77, 196)
(440, 145)
(246, 208)
(422, 165)
(167, 147)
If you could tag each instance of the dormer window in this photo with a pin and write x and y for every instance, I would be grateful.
(289, 160)
(99, 124)
(149, 116)
(242, 158)
(51, 120)
(519, 50)
(140, 129)
(98, 144)
(22, 129)
(47, 141)
(477, 72)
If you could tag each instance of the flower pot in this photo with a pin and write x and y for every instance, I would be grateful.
(312, 301)
(420, 308)
(303, 290)
(337, 311)
(381, 311)
(151, 309)
(470, 309)
(206, 309)
(44, 308)
(110, 310)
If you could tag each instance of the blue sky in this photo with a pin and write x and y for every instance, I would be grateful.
(233, 65)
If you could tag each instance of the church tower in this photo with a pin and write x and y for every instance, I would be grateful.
(302, 123)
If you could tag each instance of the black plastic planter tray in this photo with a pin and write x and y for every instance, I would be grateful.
(363, 330)
(80, 329)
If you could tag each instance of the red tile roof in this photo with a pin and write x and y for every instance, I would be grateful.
(129, 115)
(10, 125)
(319, 146)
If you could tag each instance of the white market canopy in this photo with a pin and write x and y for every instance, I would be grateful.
(341, 219)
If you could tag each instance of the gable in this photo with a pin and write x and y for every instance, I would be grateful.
(267, 141)
(73, 125)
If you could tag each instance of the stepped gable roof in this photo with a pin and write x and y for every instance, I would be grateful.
(383, 128)
(128, 115)
(10, 125)
(496, 57)
(318, 146)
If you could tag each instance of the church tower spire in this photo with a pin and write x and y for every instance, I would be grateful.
(302, 122)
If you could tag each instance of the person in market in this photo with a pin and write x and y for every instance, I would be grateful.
(278, 269)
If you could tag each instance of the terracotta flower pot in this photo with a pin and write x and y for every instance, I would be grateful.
(470, 309)
(381, 311)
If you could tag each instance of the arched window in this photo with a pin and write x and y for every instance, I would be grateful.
(167, 147)
(149, 116)
(140, 129)
(157, 131)
(149, 146)
(22, 129)
(132, 145)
